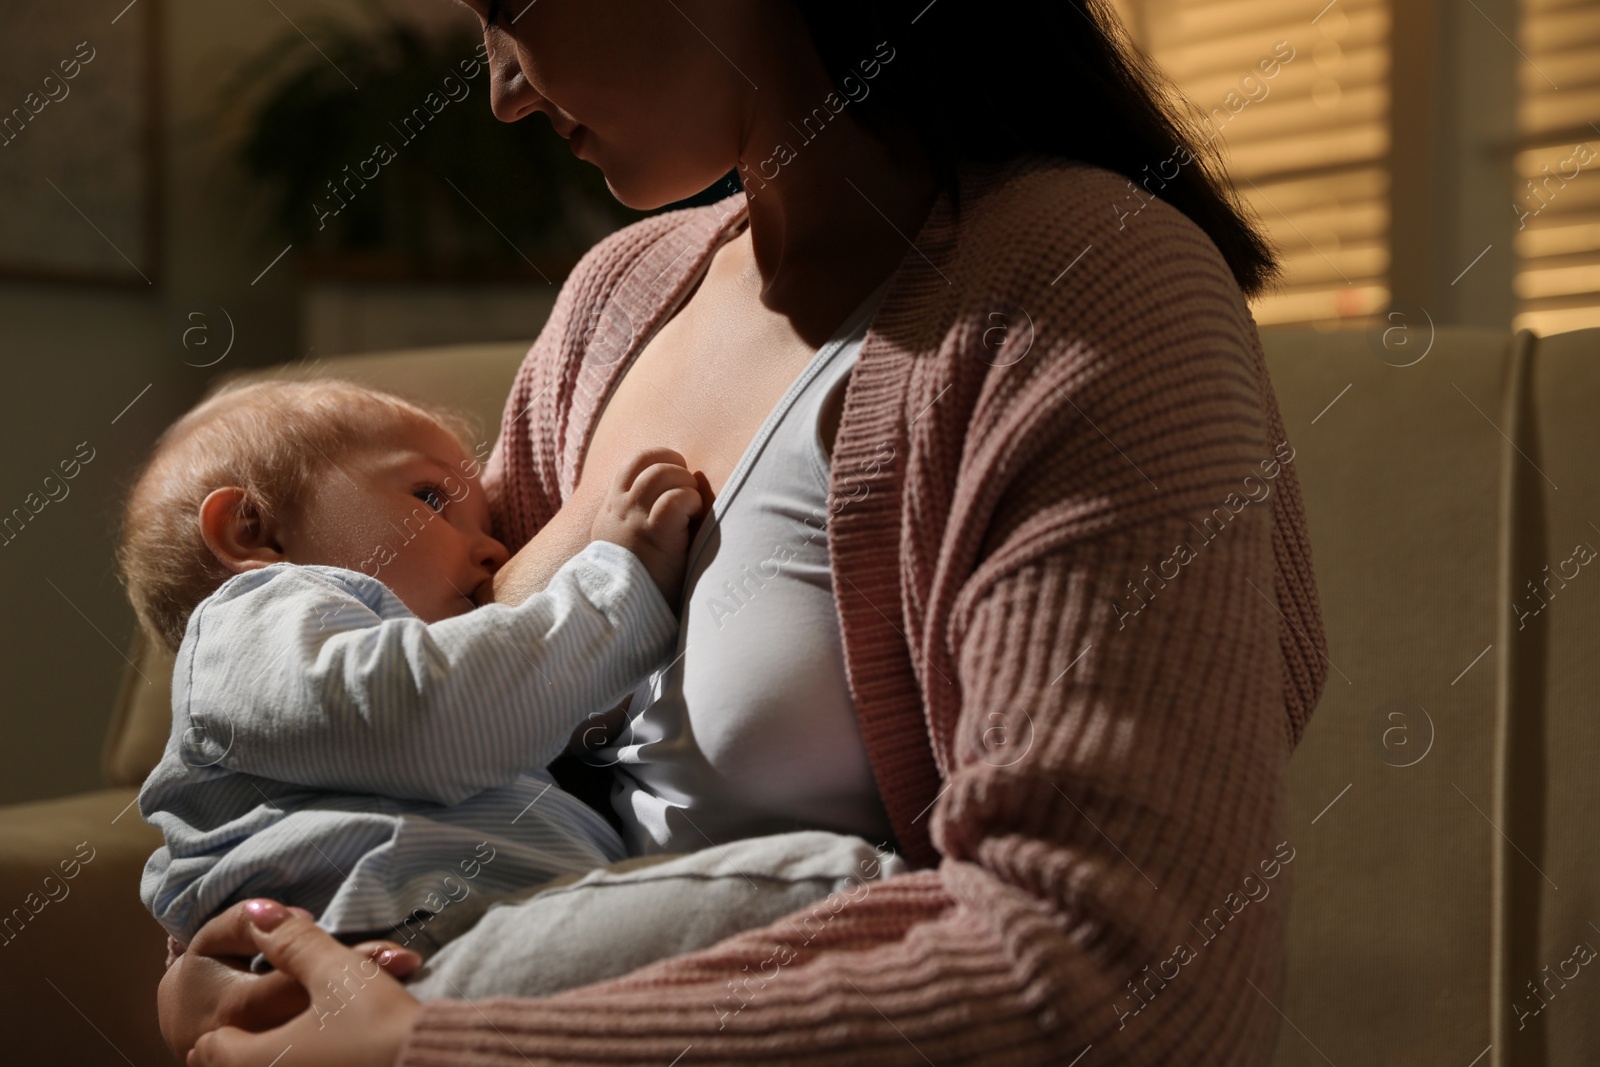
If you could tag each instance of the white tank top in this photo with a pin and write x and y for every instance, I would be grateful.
(751, 728)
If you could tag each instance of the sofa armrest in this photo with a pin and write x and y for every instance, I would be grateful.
(80, 957)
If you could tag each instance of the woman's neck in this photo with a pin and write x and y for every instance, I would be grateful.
(833, 208)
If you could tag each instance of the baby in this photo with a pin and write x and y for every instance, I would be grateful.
(351, 733)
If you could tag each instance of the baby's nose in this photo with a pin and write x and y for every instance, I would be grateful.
(493, 554)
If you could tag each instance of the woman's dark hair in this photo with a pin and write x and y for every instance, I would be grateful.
(995, 79)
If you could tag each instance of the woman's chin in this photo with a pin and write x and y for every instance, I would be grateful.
(639, 192)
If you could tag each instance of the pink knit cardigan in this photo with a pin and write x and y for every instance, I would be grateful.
(1081, 630)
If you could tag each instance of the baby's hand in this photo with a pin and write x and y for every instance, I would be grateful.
(647, 510)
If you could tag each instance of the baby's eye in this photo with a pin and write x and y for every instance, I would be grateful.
(430, 495)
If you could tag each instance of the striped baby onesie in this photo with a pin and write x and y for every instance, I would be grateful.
(331, 750)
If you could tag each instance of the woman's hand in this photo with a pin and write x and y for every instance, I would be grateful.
(210, 986)
(358, 1015)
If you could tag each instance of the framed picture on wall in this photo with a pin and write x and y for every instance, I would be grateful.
(79, 149)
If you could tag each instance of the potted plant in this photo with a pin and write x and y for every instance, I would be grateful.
(378, 158)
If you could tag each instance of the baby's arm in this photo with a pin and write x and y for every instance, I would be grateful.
(340, 699)
(588, 514)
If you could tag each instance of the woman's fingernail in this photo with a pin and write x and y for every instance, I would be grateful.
(265, 914)
(386, 957)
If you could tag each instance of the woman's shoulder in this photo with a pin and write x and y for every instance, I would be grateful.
(1054, 226)
(1059, 194)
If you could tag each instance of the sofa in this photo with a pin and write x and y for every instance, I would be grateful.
(1444, 899)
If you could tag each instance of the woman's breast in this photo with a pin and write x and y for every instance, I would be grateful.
(702, 388)
(759, 690)
(751, 728)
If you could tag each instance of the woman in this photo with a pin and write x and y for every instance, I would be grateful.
(1077, 657)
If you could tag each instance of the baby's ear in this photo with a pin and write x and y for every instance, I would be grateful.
(235, 530)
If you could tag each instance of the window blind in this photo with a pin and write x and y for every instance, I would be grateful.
(1305, 146)
(1556, 200)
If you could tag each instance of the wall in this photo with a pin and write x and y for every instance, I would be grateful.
(1453, 130)
(72, 357)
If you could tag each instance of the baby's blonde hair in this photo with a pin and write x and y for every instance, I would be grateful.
(269, 439)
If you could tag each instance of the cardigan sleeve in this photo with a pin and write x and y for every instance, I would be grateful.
(1091, 595)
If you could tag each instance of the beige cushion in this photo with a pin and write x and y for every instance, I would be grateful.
(80, 957)
(1389, 954)
(473, 379)
(142, 718)
(1554, 742)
